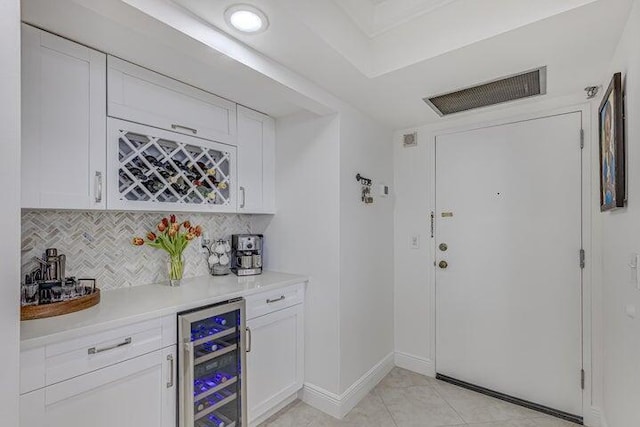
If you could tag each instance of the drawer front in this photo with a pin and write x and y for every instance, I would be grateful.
(274, 300)
(143, 96)
(76, 357)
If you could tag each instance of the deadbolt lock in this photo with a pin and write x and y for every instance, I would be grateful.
(443, 264)
(443, 247)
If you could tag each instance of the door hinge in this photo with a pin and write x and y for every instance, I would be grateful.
(582, 379)
(582, 258)
(581, 139)
(433, 216)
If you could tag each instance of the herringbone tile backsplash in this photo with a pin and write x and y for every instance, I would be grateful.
(98, 244)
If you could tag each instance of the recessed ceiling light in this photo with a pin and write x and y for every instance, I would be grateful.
(246, 18)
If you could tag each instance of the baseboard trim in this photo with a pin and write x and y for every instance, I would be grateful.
(359, 389)
(339, 405)
(598, 420)
(415, 364)
(321, 399)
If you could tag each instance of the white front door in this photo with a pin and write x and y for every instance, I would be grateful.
(508, 209)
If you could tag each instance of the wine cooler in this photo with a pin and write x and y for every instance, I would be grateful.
(212, 366)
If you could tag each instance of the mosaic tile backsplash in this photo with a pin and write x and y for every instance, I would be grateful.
(98, 244)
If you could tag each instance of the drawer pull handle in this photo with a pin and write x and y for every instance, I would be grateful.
(248, 329)
(170, 360)
(94, 350)
(177, 127)
(271, 301)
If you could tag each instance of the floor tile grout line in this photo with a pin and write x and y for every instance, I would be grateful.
(464, 420)
(393, 420)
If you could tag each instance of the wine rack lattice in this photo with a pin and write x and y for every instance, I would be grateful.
(153, 169)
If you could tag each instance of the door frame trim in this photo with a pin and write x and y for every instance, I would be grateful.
(588, 215)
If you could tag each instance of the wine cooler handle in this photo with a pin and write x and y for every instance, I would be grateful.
(171, 373)
(248, 339)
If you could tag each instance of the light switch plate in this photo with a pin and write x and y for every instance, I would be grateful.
(414, 242)
(383, 190)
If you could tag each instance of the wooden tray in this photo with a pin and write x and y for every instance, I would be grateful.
(59, 308)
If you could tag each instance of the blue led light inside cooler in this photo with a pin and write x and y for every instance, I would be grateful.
(203, 331)
(217, 422)
(211, 376)
(202, 385)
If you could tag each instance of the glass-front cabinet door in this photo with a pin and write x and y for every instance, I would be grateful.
(212, 380)
(155, 169)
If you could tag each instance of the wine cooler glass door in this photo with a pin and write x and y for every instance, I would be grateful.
(212, 367)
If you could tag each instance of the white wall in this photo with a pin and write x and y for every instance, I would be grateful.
(304, 235)
(621, 238)
(9, 209)
(322, 229)
(412, 274)
(366, 248)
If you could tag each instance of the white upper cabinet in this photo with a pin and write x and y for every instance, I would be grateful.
(63, 123)
(155, 169)
(102, 133)
(143, 96)
(256, 162)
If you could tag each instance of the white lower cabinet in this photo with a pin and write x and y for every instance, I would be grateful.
(275, 359)
(139, 392)
(128, 376)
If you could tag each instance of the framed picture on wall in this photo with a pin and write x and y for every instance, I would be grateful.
(612, 156)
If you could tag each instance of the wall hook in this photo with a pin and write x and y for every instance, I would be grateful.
(592, 91)
(364, 181)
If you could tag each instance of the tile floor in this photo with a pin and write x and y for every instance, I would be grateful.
(406, 399)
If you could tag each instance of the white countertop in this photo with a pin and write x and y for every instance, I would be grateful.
(119, 307)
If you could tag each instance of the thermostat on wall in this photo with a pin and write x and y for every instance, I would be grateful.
(383, 190)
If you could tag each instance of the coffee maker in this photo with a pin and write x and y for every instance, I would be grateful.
(246, 254)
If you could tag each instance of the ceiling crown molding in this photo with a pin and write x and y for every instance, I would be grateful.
(375, 17)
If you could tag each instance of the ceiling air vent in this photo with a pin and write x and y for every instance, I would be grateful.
(524, 85)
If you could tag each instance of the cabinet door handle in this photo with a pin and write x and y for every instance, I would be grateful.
(244, 197)
(248, 339)
(170, 360)
(94, 350)
(98, 187)
(192, 130)
(271, 301)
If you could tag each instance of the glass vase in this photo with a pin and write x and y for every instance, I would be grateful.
(176, 269)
